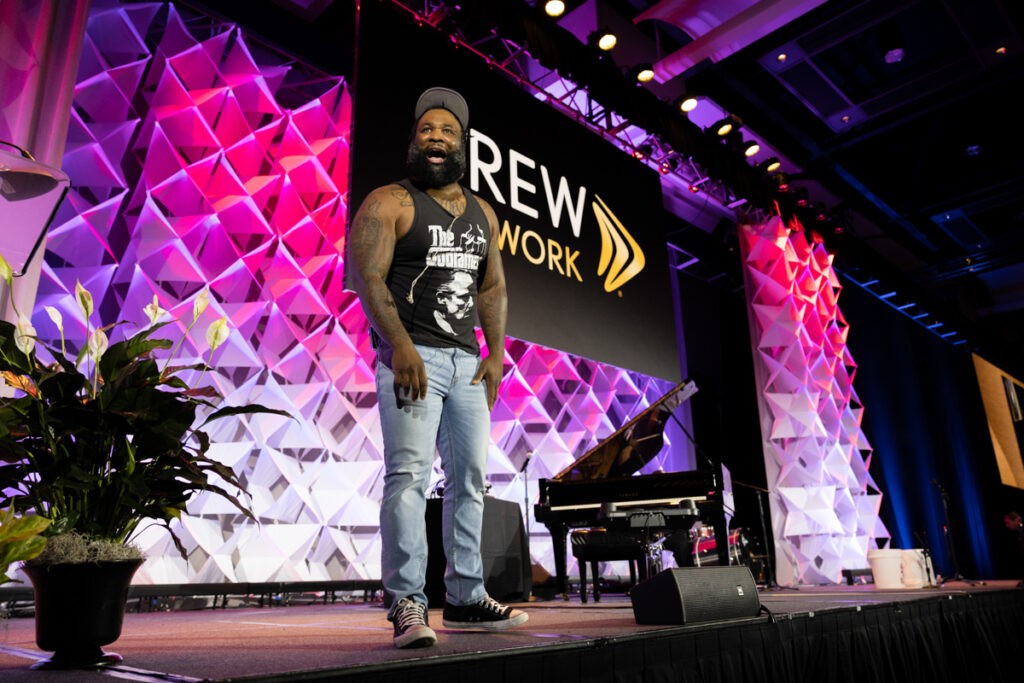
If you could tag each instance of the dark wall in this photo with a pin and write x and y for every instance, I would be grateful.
(924, 417)
(725, 414)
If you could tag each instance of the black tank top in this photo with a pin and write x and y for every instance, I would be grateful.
(436, 269)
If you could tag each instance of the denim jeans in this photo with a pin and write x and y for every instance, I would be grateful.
(455, 417)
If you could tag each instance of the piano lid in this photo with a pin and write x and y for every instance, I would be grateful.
(633, 445)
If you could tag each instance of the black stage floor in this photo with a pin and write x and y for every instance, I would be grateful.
(838, 633)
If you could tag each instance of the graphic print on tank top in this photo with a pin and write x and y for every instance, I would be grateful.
(458, 265)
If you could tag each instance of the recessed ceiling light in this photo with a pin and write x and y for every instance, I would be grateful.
(781, 57)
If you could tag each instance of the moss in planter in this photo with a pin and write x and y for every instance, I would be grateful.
(75, 548)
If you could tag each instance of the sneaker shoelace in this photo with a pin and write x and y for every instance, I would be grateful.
(411, 615)
(492, 605)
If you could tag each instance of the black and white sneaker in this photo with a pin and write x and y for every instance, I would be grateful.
(486, 615)
(411, 627)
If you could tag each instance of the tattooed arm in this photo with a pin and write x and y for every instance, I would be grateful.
(492, 308)
(371, 246)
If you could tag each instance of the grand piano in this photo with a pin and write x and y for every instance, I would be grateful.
(601, 488)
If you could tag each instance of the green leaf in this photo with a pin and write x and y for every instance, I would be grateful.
(243, 410)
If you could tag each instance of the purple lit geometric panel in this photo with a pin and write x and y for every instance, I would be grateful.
(824, 503)
(201, 161)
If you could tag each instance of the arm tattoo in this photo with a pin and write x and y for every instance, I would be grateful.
(492, 301)
(371, 248)
(403, 197)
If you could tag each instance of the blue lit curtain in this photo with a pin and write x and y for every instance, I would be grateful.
(924, 417)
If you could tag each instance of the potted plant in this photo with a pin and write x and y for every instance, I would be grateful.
(20, 539)
(97, 442)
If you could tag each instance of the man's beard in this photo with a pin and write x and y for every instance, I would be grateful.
(432, 175)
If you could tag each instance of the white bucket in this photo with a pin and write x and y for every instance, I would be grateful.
(914, 568)
(886, 568)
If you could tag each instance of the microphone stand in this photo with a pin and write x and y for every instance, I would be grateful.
(526, 493)
(770, 583)
(929, 569)
(957, 576)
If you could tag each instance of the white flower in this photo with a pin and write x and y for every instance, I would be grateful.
(6, 272)
(217, 333)
(97, 344)
(25, 335)
(56, 317)
(200, 304)
(153, 311)
(84, 299)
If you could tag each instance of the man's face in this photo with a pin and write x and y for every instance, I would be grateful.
(436, 155)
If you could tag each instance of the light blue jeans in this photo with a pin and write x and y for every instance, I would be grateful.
(454, 416)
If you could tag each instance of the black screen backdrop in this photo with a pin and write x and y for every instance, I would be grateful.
(580, 221)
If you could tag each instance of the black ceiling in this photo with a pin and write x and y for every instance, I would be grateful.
(924, 169)
(927, 159)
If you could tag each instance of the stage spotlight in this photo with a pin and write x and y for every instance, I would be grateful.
(726, 126)
(643, 73)
(643, 151)
(750, 148)
(554, 8)
(801, 196)
(604, 39)
(770, 165)
(665, 167)
(686, 102)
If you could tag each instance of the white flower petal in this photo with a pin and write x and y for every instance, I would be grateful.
(97, 344)
(25, 335)
(56, 317)
(217, 333)
(84, 299)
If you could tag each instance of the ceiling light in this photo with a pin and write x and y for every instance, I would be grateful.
(726, 126)
(554, 8)
(750, 148)
(686, 102)
(1001, 50)
(644, 73)
(606, 40)
(890, 41)
(643, 151)
(771, 165)
(845, 118)
(781, 57)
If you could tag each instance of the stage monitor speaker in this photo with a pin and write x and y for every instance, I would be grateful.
(690, 595)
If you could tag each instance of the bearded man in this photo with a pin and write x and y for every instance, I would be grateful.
(408, 243)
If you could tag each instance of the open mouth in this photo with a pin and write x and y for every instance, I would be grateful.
(436, 155)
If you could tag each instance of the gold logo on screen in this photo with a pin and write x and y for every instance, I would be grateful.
(621, 257)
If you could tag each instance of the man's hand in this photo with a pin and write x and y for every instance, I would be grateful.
(410, 374)
(490, 370)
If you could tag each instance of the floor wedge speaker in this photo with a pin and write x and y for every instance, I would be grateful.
(691, 595)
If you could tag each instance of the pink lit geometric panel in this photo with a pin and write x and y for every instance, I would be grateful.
(824, 503)
(200, 160)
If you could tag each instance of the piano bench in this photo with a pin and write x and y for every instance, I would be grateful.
(600, 545)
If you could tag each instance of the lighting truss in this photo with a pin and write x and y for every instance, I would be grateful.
(515, 62)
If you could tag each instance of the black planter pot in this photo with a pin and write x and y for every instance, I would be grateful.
(80, 608)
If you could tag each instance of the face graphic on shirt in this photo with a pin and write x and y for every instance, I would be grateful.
(454, 300)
